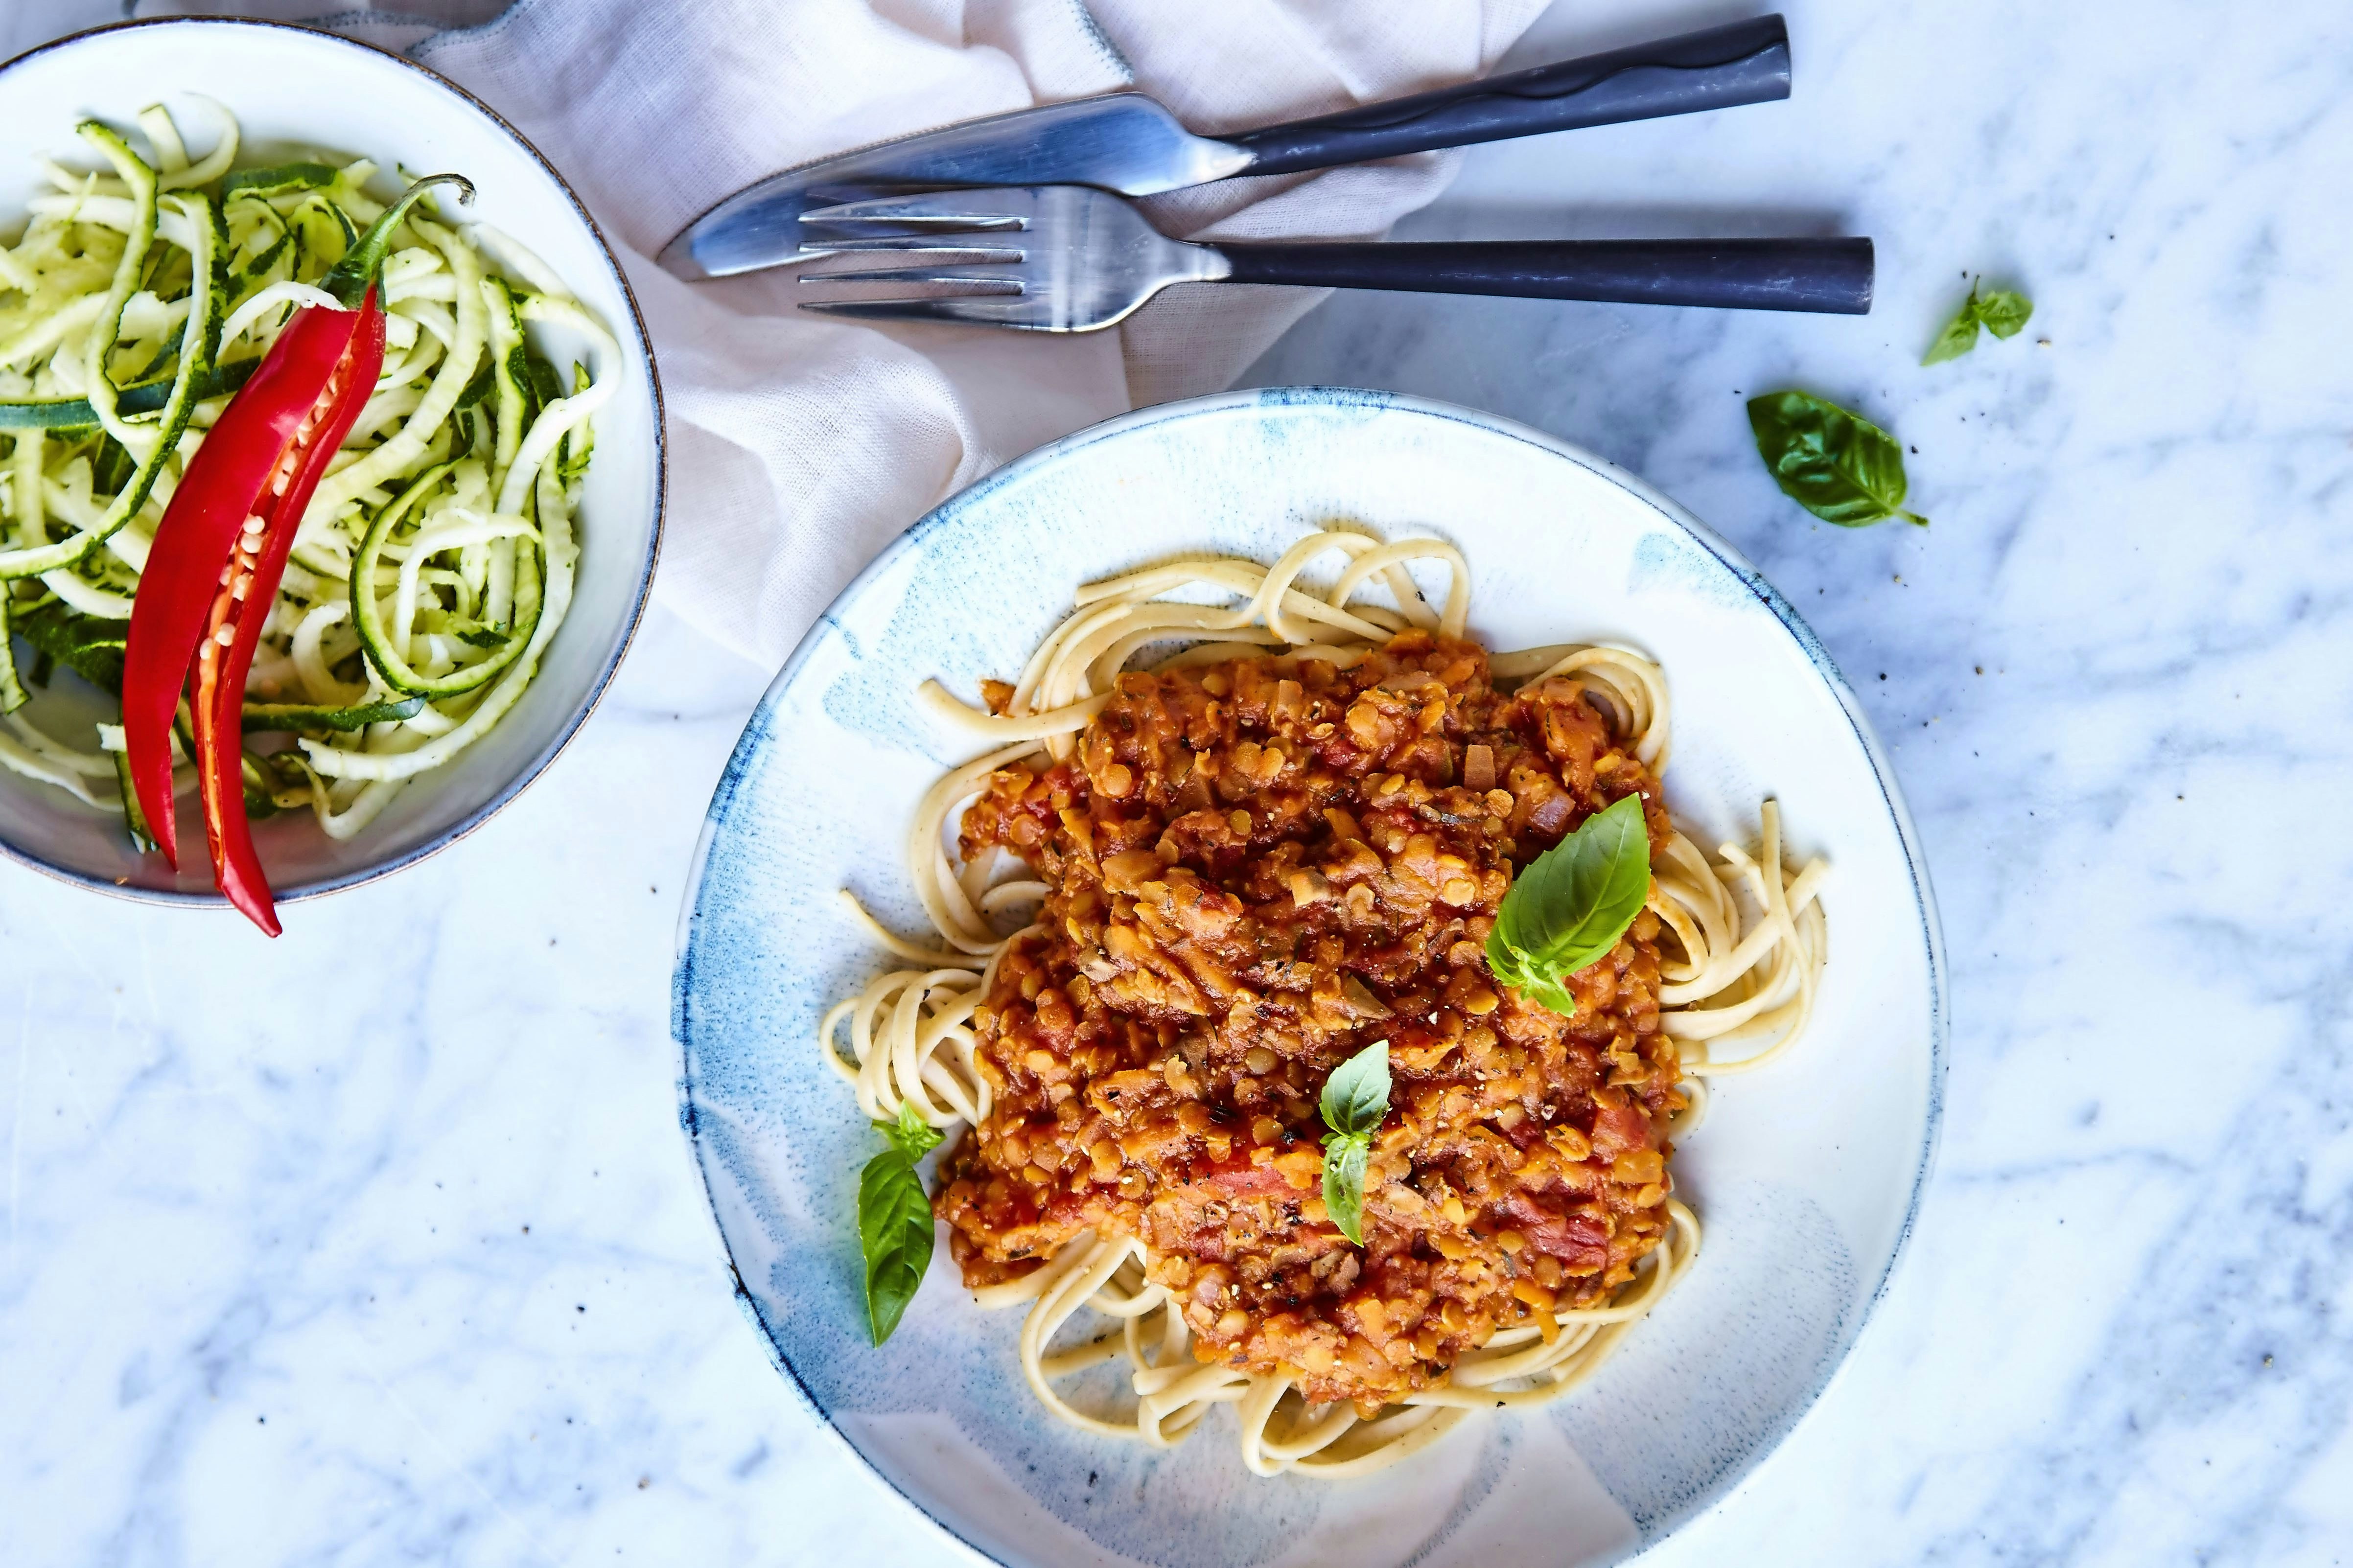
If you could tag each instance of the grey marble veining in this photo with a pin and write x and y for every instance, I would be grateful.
(2117, 674)
(390, 1251)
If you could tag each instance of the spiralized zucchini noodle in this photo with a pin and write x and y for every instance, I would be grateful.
(1749, 925)
(435, 560)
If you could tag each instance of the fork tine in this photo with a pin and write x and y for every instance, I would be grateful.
(976, 209)
(1086, 258)
(909, 244)
(919, 275)
(986, 310)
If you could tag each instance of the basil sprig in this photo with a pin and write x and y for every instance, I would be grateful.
(894, 1220)
(1831, 461)
(2001, 312)
(1355, 1099)
(1569, 907)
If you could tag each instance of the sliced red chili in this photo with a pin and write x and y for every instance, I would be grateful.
(221, 548)
(228, 475)
(242, 604)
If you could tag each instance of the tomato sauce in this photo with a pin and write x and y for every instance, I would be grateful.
(1258, 869)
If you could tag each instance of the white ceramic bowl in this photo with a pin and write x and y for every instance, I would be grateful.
(294, 89)
(1806, 1176)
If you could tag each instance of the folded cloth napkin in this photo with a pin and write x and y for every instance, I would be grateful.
(801, 445)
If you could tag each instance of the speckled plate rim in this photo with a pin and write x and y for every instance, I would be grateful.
(627, 633)
(758, 730)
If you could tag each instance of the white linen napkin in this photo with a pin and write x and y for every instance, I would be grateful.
(800, 445)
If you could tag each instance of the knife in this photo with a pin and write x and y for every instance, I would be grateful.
(1126, 143)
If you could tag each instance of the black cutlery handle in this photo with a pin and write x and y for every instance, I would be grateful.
(1743, 62)
(1824, 275)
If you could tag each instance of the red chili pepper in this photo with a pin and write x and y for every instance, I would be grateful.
(221, 548)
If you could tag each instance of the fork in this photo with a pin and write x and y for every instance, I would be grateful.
(1072, 258)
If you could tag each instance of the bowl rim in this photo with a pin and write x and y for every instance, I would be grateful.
(530, 773)
(757, 732)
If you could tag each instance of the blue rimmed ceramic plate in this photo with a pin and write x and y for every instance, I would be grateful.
(1806, 1177)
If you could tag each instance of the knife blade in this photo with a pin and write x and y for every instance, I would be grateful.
(1126, 142)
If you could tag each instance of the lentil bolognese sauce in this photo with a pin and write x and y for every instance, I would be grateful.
(1287, 844)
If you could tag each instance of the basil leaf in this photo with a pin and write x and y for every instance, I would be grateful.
(1357, 1096)
(1568, 909)
(910, 1134)
(1834, 463)
(894, 1227)
(895, 1221)
(2001, 312)
(1960, 333)
(1345, 1154)
(1355, 1099)
(1538, 985)
(2004, 312)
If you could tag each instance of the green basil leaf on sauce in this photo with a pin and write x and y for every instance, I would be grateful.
(1568, 909)
(1357, 1095)
(895, 1221)
(1355, 1101)
(1344, 1156)
(1831, 461)
(2004, 312)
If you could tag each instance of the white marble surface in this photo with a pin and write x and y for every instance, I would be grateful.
(405, 1260)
